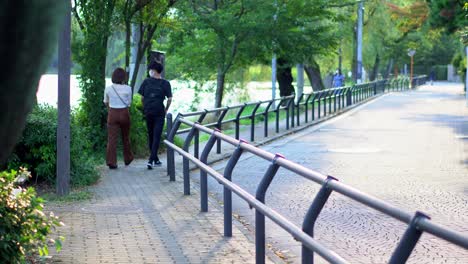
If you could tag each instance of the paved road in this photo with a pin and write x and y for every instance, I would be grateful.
(410, 149)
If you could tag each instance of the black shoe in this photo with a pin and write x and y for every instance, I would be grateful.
(150, 165)
(157, 163)
(112, 167)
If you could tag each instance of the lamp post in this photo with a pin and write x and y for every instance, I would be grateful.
(411, 53)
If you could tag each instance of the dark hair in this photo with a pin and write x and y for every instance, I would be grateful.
(119, 76)
(154, 65)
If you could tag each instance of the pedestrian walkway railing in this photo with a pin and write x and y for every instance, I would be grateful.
(308, 107)
(418, 222)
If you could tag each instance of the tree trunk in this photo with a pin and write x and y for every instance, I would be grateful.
(284, 77)
(354, 63)
(128, 33)
(389, 69)
(375, 69)
(313, 73)
(18, 20)
(221, 76)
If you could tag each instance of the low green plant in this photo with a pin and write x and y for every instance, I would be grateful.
(24, 228)
(36, 149)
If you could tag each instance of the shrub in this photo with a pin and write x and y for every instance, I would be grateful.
(37, 148)
(23, 225)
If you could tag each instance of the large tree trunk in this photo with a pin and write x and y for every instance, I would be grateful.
(284, 77)
(313, 73)
(389, 68)
(128, 33)
(18, 19)
(375, 69)
(220, 79)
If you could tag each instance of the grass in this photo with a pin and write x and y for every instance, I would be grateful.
(73, 197)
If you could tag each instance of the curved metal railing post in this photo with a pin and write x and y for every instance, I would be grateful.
(196, 144)
(185, 163)
(227, 194)
(277, 112)
(319, 101)
(203, 175)
(252, 121)
(349, 96)
(170, 152)
(237, 121)
(316, 94)
(289, 113)
(307, 106)
(298, 105)
(312, 215)
(259, 217)
(409, 240)
(265, 117)
(218, 125)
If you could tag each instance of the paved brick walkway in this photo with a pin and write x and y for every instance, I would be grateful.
(409, 149)
(138, 216)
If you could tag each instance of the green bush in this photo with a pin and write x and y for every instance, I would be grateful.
(441, 72)
(23, 225)
(37, 148)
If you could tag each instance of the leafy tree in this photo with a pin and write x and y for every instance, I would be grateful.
(217, 36)
(95, 19)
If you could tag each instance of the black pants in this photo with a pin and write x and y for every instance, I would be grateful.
(155, 124)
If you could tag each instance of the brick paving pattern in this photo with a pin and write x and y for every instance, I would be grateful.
(409, 149)
(138, 216)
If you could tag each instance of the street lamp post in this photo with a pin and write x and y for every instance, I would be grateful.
(411, 53)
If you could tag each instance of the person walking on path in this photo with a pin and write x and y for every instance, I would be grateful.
(118, 98)
(338, 79)
(154, 90)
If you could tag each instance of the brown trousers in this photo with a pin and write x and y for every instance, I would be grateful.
(118, 120)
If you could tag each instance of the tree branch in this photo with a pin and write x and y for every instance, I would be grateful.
(77, 16)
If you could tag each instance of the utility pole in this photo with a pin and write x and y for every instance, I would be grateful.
(360, 14)
(300, 80)
(466, 76)
(63, 120)
(273, 62)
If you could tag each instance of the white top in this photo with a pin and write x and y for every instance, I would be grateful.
(124, 91)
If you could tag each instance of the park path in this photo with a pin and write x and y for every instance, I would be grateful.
(138, 216)
(407, 148)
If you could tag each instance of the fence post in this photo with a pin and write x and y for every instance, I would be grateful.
(349, 96)
(409, 240)
(265, 121)
(259, 217)
(196, 145)
(170, 152)
(228, 193)
(312, 215)
(203, 175)
(239, 113)
(185, 163)
(252, 123)
(218, 125)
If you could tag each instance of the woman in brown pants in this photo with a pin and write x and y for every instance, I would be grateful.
(118, 98)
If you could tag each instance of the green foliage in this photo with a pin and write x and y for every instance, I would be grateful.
(95, 22)
(138, 130)
(24, 227)
(440, 72)
(37, 148)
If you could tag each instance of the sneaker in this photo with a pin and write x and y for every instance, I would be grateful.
(150, 165)
(157, 163)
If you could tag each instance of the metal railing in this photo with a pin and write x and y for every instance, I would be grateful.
(417, 222)
(308, 107)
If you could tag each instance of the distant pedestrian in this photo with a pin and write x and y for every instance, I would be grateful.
(432, 76)
(118, 98)
(154, 90)
(338, 79)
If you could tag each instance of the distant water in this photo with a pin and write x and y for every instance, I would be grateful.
(183, 93)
